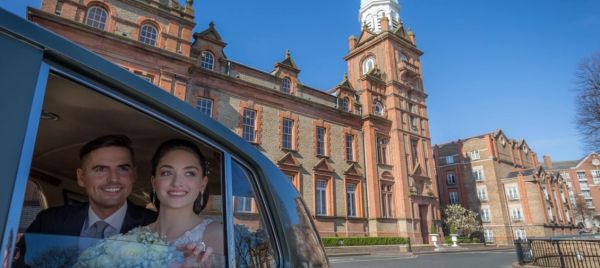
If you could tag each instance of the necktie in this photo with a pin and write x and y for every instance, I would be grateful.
(97, 229)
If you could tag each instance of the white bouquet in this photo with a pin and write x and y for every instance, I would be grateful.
(140, 247)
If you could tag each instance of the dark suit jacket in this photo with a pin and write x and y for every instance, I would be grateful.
(68, 220)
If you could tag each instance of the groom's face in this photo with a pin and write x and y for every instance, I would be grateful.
(107, 174)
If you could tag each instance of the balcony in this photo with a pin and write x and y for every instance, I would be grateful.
(410, 69)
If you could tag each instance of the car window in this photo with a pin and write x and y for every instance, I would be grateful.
(74, 112)
(253, 243)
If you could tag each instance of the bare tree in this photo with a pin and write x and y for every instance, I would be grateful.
(588, 101)
(582, 211)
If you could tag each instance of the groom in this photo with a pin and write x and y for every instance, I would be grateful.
(107, 172)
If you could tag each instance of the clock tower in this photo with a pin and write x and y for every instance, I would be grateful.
(384, 67)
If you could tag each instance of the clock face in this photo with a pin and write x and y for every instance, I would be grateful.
(596, 162)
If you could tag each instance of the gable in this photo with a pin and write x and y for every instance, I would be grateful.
(353, 171)
(289, 160)
(323, 166)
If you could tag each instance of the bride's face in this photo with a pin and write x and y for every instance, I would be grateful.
(178, 180)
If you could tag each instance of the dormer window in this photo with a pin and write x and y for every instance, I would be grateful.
(525, 149)
(368, 65)
(208, 60)
(148, 35)
(378, 108)
(502, 141)
(286, 86)
(96, 17)
(345, 105)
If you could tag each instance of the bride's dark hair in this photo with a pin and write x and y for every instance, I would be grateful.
(190, 147)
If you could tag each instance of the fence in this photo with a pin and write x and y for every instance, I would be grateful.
(559, 252)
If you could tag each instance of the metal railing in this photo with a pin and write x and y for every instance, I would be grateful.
(566, 252)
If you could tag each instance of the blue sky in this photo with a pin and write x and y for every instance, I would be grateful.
(487, 64)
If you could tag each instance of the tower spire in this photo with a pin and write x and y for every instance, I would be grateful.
(371, 12)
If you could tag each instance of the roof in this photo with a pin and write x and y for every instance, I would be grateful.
(564, 164)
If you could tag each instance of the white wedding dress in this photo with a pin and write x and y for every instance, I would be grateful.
(193, 236)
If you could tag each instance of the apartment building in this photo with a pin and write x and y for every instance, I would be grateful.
(500, 179)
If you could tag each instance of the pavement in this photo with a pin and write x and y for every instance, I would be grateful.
(402, 250)
(456, 259)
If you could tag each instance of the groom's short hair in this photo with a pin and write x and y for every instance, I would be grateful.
(116, 140)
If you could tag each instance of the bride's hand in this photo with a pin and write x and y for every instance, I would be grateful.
(196, 255)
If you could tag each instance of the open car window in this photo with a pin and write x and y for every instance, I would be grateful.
(73, 113)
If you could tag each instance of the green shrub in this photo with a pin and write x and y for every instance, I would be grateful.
(362, 241)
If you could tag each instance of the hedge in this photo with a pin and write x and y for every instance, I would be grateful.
(363, 241)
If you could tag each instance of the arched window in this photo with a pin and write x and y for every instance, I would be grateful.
(345, 105)
(208, 60)
(368, 65)
(378, 108)
(96, 17)
(148, 35)
(286, 86)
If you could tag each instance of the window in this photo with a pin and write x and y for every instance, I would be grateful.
(286, 133)
(382, 151)
(482, 194)
(351, 199)
(148, 35)
(516, 214)
(378, 108)
(368, 65)
(525, 149)
(58, 8)
(345, 105)
(249, 125)
(243, 204)
(349, 147)
(450, 159)
(321, 198)
(414, 149)
(208, 60)
(589, 204)
(96, 17)
(513, 193)
(286, 86)
(478, 173)
(386, 201)
(475, 155)
(550, 214)
(486, 216)
(204, 105)
(453, 197)
(450, 178)
(414, 122)
(581, 175)
(253, 245)
(546, 195)
(148, 78)
(488, 235)
(596, 176)
(320, 145)
(520, 234)
(565, 175)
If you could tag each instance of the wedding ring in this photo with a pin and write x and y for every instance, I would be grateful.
(202, 246)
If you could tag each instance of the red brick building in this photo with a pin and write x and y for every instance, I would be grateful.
(500, 179)
(359, 153)
(583, 176)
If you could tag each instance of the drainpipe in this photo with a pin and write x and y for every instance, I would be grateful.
(365, 184)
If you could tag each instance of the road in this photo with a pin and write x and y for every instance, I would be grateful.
(487, 259)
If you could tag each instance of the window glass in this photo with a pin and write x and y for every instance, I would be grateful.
(253, 245)
(378, 108)
(345, 105)
(349, 147)
(96, 17)
(207, 61)
(320, 140)
(382, 152)
(386, 200)
(321, 197)
(286, 133)
(453, 197)
(148, 35)
(286, 86)
(204, 105)
(450, 178)
(351, 199)
(249, 125)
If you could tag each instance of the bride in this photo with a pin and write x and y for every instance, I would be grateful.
(179, 180)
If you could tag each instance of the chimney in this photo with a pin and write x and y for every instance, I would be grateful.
(352, 42)
(547, 162)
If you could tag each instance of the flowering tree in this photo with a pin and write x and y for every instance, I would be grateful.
(456, 217)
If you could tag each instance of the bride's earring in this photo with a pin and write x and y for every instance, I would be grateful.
(201, 198)
(153, 198)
